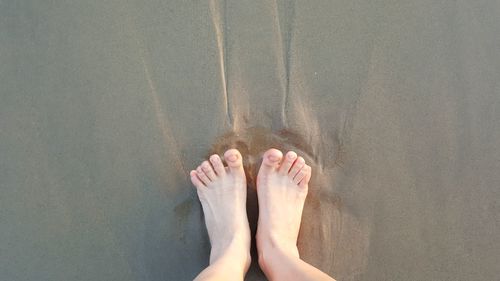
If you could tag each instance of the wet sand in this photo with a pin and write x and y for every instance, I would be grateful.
(106, 105)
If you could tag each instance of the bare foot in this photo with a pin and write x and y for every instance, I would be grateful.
(223, 192)
(282, 189)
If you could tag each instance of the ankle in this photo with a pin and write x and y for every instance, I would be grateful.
(229, 264)
(272, 253)
(235, 252)
(271, 242)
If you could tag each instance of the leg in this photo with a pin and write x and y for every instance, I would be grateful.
(282, 190)
(222, 192)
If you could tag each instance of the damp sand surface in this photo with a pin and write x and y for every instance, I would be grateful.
(105, 106)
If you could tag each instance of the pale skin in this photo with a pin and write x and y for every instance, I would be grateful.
(282, 186)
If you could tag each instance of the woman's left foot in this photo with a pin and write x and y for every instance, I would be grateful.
(223, 193)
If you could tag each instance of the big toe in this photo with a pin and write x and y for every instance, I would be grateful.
(271, 160)
(234, 160)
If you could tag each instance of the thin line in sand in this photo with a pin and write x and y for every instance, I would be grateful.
(288, 59)
(160, 117)
(216, 20)
(285, 55)
(168, 137)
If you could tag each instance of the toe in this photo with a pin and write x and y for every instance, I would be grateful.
(301, 174)
(234, 160)
(296, 167)
(195, 180)
(287, 162)
(271, 160)
(208, 170)
(305, 181)
(201, 175)
(217, 164)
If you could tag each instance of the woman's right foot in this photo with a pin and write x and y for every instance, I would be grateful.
(282, 184)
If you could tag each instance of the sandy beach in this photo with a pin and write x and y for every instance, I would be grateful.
(105, 107)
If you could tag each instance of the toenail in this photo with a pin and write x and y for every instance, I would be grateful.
(232, 157)
(291, 156)
(273, 158)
